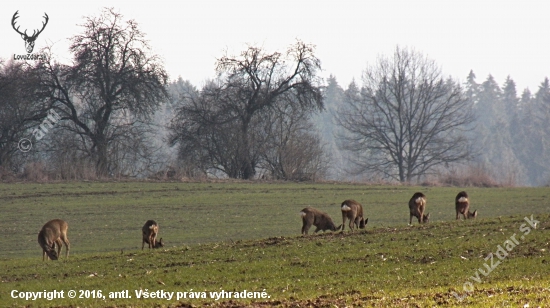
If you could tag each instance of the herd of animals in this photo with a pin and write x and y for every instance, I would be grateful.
(54, 233)
(353, 211)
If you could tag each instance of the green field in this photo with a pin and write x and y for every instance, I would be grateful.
(240, 236)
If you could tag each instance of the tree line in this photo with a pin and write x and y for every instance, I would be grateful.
(266, 115)
(511, 130)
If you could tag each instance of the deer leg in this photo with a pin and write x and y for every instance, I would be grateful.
(316, 230)
(59, 245)
(65, 240)
(305, 227)
(343, 221)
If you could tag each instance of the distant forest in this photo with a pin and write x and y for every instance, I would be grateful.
(510, 136)
(113, 113)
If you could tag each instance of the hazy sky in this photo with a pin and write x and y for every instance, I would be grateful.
(490, 37)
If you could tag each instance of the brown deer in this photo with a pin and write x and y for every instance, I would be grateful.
(150, 231)
(353, 211)
(54, 232)
(462, 206)
(417, 205)
(320, 220)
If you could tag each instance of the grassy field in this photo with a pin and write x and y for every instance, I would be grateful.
(245, 236)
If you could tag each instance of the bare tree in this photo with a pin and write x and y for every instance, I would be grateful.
(204, 137)
(110, 91)
(222, 125)
(293, 150)
(20, 109)
(406, 118)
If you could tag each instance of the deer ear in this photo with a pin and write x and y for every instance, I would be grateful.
(475, 213)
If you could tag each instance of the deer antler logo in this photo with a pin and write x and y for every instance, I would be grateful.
(29, 40)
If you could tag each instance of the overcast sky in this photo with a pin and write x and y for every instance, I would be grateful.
(501, 38)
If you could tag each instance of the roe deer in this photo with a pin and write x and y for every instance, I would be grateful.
(320, 220)
(462, 206)
(150, 231)
(417, 205)
(353, 210)
(54, 232)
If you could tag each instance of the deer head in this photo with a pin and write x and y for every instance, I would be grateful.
(29, 40)
(425, 218)
(158, 244)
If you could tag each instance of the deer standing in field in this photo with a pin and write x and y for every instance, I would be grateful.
(353, 211)
(54, 232)
(462, 206)
(150, 231)
(320, 220)
(417, 206)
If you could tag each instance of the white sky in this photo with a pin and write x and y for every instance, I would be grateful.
(501, 38)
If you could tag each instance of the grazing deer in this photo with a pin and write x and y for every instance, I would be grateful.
(352, 210)
(54, 232)
(150, 231)
(320, 220)
(417, 205)
(462, 206)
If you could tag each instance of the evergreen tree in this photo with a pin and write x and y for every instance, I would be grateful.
(539, 135)
(509, 99)
(492, 130)
(488, 103)
(333, 97)
(522, 128)
(471, 88)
